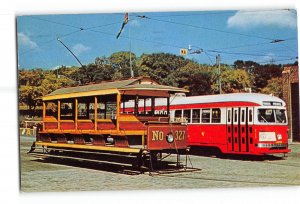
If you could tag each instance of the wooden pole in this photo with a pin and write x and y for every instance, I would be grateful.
(58, 114)
(44, 115)
(95, 112)
(76, 113)
(118, 110)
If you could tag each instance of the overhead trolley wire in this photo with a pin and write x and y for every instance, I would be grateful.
(279, 60)
(205, 28)
(92, 29)
(54, 22)
(79, 29)
(241, 53)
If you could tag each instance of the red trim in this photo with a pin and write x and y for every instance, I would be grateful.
(213, 105)
(198, 105)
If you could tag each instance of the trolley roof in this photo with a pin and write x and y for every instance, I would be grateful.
(259, 99)
(251, 98)
(140, 84)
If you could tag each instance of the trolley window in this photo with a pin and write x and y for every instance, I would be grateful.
(271, 116)
(51, 109)
(228, 116)
(280, 116)
(82, 110)
(250, 115)
(205, 117)
(265, 116)
(91, 111)
(178, 115)
(243, 116)
(111, 108)
(187, 115)
(196, 116)
(66, 110)
(86, 110)
(216, 115)
(235, 116)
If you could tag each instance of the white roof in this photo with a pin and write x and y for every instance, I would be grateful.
(232, 97)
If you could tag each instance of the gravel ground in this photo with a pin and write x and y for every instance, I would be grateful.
(39, 175)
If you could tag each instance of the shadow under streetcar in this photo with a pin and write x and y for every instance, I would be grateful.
(215, 152)
(121, 163)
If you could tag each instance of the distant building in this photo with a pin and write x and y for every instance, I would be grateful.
(290, 76)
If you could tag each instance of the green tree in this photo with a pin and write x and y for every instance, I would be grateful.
(263, 73)
(93, 73)
(31, 77)
(160, 66)
(195, 78)
(233, 80)
(274, 87)
(31, 91)
(121, 61)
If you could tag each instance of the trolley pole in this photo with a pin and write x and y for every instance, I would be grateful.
(130, 61)
(218, 60)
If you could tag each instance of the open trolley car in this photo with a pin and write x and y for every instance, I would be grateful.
(93, 118)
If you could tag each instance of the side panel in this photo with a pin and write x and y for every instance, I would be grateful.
(157, 137)
(211, 134)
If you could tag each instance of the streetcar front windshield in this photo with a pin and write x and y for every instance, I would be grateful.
(271, 115)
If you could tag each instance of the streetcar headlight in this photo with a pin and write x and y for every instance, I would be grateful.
(279, 136)
(170, 137)
(110, 140)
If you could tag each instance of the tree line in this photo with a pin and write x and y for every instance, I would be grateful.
(168, 69)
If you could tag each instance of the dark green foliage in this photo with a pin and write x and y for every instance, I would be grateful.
(160, 66)
(167, 69)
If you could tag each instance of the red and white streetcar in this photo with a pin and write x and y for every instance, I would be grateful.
(238, 123)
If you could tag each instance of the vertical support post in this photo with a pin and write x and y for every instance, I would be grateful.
(145, 106)
(218, 63)
(105, 109)
(95, 112)
(153, 105)
(76, 113)
(44, 114)
(118, 110)
(290, 105)
(58, 114)
(136, 105)
(168, 108)
(123, 106)
(143, 140)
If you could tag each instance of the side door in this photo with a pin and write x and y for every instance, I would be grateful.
(250, 129)
(243, 129)
(229, 129)
(235, 129)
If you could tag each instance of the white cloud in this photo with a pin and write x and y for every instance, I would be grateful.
(79, 49)
(25, 40)
(249, 19)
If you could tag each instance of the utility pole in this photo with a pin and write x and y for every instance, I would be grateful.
(218, 64)
(130, 62)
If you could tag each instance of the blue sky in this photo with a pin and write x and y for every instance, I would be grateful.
(235, 35)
